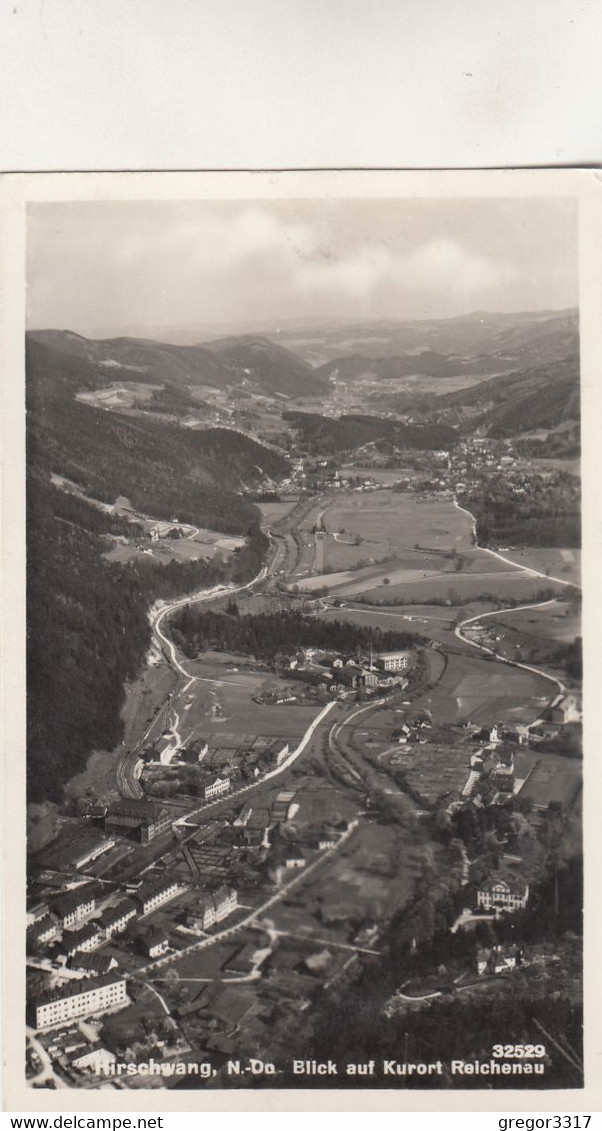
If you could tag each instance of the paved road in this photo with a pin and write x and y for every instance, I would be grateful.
(286, 765)
(128, 785)
(519, 608)
(502, 659)
(509, 561)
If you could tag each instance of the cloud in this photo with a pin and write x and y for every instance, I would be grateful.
(435, 267)
(106, 264)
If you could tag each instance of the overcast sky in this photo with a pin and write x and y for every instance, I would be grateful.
(98, 267)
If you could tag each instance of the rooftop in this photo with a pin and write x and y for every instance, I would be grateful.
(81, 986)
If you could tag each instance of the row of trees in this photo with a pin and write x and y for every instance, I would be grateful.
(265, 635)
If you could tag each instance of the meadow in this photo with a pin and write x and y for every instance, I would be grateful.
(386, 545)
(222, 702)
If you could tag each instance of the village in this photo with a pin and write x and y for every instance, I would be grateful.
(135, 889)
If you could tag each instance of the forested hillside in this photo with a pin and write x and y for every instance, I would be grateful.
(87, 626)
(323, 435)
(162, 469)
(227, 362)
(88, 630)
(258, 361)
(547, 512)
(541, 397)
(428, 362)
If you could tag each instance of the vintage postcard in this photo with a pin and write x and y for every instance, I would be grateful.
(293, 666)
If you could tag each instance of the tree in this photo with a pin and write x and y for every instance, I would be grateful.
(232, 608)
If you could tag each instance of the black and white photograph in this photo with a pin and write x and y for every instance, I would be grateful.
(304, 666)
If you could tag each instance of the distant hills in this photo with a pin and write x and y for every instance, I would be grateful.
(303, 361)
(477, 344)
(427, 363)
(526, 338)
(254, 363)
(260, 362)
(161, 468)
(542, 397)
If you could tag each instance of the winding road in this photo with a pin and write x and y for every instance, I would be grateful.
(503, 659)
(517, 609)
(508, 561)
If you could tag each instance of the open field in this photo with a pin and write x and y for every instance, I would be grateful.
(206, 544)
(504, 585)
(431, 771)
(384, 475)
(411, 532)
(473, 689)
(387, 583)
(572, 466)
(427, 544)
(551, 778)
(532, 636)
(214, 708)
(561, 563)
(273, 512)
(319, 800)
(436, 622)
(162, 553)
(397, 520)
(118, 396)
(553, 622)
(432, 766)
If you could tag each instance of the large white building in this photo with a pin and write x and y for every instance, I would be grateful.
(73, 907)
(214, 787)
(79, 999)
(154, 895)
(503, 893)
(115, 919)
(394, 661)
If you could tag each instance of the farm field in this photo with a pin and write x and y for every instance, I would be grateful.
(388, 582)
(163, 553)
(504, 585)
(273, 512)
(473, 689)
(118, 396)
(565, 564)
(553, 779)
(432, 767)
(386, 476)
(317, 799)
(552, 622)
(519, 636)
(426, 553)
(225, 704)
(408, 520)
(206, 544)
(572, 466)
(431, 771)
(436, 622)
(384, 524)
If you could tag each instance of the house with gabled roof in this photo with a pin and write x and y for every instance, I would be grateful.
(92, 964)
(503, 893)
